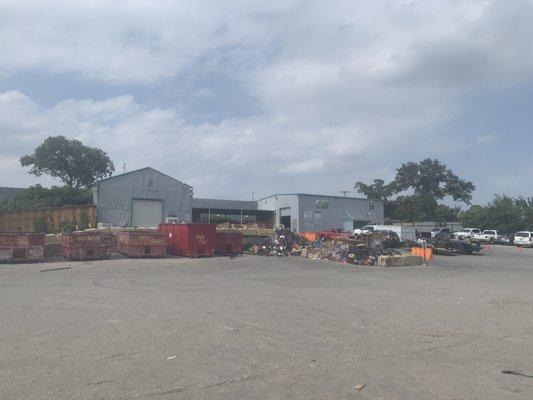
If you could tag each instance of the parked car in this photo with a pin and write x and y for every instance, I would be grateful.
(488, 235)
(438, 231)
(364, 229)
(523, 239)
(506, 239)
(467, 233)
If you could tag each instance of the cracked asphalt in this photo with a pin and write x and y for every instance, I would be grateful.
(268, 328)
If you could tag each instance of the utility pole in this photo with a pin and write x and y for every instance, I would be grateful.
(344, 192)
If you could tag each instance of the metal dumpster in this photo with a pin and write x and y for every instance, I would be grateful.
(190, 240)
(16, 246)
(228, 243)
(147, 243)
(86, 245)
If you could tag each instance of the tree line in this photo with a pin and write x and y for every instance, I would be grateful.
(415, 194)
(419, 189)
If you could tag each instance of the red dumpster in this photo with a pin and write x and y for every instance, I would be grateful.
(86, 245)
(16, 246)
(146, 243)
(191, 240)
(228, 243)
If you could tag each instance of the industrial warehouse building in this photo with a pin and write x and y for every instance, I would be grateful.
(146, 197)
(312, 213)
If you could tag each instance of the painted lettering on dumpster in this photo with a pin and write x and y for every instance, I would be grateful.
(14, 240)
(152, 239)
(200, 238)
(89, 238)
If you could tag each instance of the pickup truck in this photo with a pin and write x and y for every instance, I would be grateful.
(488, 235)
(437, 231)
(445, 242)
(467, 233)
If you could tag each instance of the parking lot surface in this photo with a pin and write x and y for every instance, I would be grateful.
(268, 328)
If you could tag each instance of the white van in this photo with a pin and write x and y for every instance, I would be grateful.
(523, 238)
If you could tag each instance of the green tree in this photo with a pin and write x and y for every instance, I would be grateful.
(38, 196)
(69, 160)
(475, 216)
(504, 213)
(431, 181)
(375, 191)
(378, 190)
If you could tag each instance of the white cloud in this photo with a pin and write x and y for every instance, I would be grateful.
(343, 92)
(234, 156)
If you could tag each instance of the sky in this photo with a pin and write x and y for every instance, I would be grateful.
(241, 98)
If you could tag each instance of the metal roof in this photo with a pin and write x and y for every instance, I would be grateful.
(224, 204)
(139, 170)
(317, 195)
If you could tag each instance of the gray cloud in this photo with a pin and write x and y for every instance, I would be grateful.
(285, 96)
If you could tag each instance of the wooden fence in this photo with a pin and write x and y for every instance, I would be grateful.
(33, 219)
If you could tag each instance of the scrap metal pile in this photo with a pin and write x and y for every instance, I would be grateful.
(362, 250)
(284, 242)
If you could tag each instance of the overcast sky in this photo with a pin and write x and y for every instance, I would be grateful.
(235, 97)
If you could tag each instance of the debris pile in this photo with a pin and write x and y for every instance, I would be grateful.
(284, 242)
(363, 250)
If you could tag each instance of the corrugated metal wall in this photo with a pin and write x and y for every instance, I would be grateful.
(327, 212)
(26, 220)
(314, 212)
(115, 195)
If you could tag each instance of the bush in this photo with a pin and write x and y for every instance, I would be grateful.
(40, 197)
(67, 226)
(40, 226)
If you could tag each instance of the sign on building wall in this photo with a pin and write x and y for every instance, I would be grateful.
(308, 216)
(322, 204)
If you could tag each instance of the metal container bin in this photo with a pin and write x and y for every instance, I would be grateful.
(147, 243)
(86, 245)
(229, 243)
(15, 246)
(190, 240)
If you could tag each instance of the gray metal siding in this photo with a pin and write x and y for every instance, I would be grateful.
(309, 216)
(115, 195)
(280, 201)
(338, 210)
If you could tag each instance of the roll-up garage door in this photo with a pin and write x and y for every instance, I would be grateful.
(147, 213)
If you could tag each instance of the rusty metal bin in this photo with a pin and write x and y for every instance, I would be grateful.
(190, 240)
(16, 246)
(86, 245)
(147, 243)
(228, 243)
